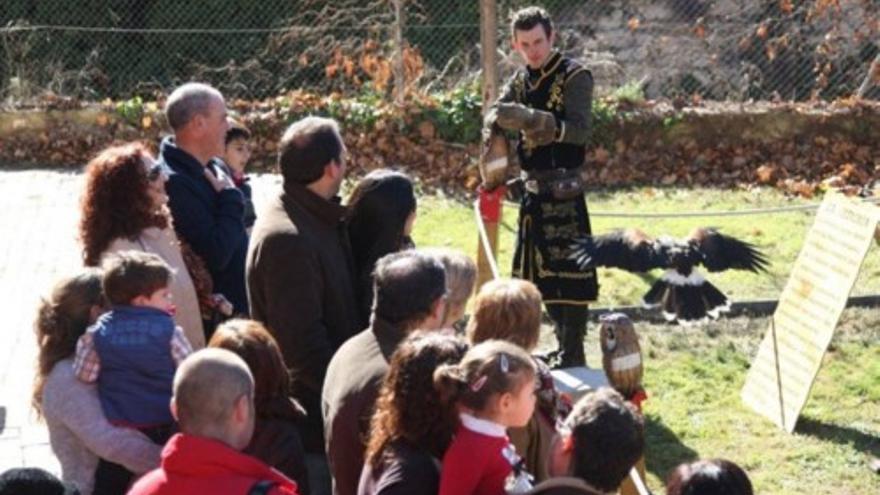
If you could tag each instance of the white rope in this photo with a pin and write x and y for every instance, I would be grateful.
(696, 214)
(637, 481)
(484, 241)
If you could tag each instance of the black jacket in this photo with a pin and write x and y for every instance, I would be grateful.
(211, 222)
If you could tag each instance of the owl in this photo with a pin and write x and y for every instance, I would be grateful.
(621, 354)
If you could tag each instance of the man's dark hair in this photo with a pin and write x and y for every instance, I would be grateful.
(36, 481)
(406, 285)
(526, 19)
(307, 146)
(608, 437)
(129, 274)
(709, 477)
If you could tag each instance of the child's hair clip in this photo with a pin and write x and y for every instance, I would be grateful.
(477, 385)
(505, 364)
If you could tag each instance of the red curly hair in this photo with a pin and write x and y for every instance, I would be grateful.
(116, 202)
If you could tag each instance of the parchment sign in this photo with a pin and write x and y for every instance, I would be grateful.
(826, 269)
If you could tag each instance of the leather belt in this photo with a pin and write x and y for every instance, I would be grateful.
(549, 181)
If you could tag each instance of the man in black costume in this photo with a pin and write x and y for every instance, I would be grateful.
(548, 103)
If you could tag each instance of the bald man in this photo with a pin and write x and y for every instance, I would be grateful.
(213, 403)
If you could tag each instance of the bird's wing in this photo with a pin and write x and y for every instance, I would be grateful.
(721, 252)
(630, 250)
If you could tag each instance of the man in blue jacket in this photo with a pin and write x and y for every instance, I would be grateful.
(207, 208)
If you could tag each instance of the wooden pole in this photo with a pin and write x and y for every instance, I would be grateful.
(399, 68)
(489, 51)
(489, 62)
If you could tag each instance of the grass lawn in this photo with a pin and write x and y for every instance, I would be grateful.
(450, 222)
(694, 374)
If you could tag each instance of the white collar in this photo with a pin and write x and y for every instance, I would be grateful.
(483, 426)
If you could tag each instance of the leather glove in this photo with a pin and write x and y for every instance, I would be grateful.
(538, 126)
(516, 189)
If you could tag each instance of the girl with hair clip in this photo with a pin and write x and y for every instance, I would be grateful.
(382, 212)
(494, 386)
(510, 310)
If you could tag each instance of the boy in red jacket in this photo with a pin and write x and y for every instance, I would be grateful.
(213, 403)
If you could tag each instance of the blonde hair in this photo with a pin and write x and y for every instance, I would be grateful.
(461, 274)
(507, 309)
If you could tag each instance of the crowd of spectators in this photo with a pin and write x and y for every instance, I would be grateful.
(309, 347)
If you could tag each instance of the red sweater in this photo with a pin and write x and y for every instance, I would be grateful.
(193, 465)
(477, 461)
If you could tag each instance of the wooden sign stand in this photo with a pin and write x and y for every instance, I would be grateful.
(781, 376)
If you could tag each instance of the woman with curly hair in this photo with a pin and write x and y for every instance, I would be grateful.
(412, 426)
(276, 439)
(124, 207)
(79, 433)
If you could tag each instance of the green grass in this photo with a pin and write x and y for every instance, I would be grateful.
(449, 222)
(694, 375)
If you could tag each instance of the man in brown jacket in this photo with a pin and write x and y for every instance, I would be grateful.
(299, 276)
(409, 291)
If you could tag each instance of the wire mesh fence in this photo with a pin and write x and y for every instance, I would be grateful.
(718, 50)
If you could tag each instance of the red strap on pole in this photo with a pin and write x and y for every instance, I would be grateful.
(490, 203)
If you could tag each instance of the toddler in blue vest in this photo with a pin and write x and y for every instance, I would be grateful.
(133, 350)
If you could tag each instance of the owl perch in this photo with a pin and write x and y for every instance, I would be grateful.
(682, 293)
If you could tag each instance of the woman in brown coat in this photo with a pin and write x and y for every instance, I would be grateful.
(276, 440)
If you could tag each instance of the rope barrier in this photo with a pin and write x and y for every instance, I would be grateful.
(698, 214)
(484, 242)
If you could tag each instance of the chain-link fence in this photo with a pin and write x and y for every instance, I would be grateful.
(720, 50)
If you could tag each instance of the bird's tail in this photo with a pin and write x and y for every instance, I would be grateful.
(688, 299)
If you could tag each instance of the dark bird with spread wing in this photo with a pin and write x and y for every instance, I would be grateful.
(682, 293)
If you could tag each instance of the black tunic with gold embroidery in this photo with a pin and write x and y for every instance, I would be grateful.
(547, 225)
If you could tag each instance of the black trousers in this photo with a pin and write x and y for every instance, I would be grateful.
(115, 479)
(570, 323)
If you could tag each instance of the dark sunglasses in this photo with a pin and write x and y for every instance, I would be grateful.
(155, 172)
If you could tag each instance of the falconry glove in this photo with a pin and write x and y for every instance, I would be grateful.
(538, 126)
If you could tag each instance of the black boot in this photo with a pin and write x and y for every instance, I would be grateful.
(570, 328)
